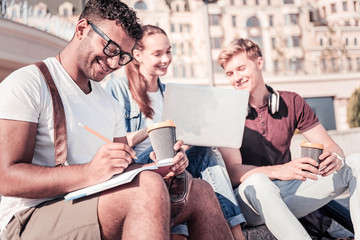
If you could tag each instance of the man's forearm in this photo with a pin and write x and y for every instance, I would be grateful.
(241, 172)
(31, 181)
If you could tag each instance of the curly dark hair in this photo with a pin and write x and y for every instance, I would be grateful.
(98, 10)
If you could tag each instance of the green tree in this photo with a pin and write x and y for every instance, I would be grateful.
(353, 109)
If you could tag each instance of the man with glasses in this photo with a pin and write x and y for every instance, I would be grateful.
(29, 176)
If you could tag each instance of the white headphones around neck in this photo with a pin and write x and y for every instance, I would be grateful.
(273, 101)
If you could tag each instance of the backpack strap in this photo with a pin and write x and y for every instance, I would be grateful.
(60, 139)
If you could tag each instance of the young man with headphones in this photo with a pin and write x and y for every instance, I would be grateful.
(271, 187)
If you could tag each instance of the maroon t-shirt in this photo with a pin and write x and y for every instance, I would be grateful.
(267, 137)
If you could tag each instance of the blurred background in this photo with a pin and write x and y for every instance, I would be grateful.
(309, 46)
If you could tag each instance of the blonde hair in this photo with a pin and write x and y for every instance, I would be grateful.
(236, 46)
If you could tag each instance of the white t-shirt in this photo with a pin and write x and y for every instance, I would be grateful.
(156, 99)
(24, 96)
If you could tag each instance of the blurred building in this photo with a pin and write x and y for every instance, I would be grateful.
(309, 46)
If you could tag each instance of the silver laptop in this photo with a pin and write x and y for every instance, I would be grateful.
(206, 116)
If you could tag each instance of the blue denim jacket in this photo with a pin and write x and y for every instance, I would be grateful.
(119, 89)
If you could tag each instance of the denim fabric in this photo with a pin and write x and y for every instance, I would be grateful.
(207, 163)
(278, 204)
(119, 89)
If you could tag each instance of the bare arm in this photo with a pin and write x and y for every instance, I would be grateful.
(294, 169)
(134, 138)
(238, 172)
(329, 161)
(20, 178)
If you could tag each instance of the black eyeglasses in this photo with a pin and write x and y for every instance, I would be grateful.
(112, 49)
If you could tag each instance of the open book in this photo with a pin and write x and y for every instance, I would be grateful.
(163, 168)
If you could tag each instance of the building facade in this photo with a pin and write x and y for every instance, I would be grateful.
(309, 46)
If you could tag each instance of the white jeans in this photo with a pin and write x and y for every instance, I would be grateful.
(279, 204)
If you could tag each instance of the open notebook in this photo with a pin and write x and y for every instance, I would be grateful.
(206, 116)
(163, 168)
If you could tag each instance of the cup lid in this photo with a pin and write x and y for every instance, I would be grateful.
(167, 123)
(312, 145)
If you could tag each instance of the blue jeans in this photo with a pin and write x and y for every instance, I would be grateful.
(206, 163)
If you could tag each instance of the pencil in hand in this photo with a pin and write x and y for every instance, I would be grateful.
(99, 136)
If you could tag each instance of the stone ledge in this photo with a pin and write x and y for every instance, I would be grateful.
(257, 233)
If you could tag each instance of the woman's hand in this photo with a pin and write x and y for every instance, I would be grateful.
(180, 160)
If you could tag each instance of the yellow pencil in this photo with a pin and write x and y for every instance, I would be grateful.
(99, 135)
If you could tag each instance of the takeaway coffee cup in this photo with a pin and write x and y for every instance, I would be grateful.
(311, 150)
(163, 137)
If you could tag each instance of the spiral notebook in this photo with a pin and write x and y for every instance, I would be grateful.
(206, 116)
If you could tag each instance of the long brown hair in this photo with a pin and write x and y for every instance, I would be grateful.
(137, 82)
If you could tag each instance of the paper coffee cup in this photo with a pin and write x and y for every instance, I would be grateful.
(163, 137)
(311, 150)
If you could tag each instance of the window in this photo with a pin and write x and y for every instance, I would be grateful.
(183, 71)
(355, 41)
(330, 41)
(276, 66)
(271, 20)
(323, 107)
(349, 64)
(214, 19)
(253, 22)
(233, 19)
(273, 43)
(172, 27)
(288, 1)
(323, 64)
(232, 2)
(216, 67)
(187, 27)
(291, 19)
(295, 64)
(140, 5)
(333, 65)
(176, 72)
(215, 42)
(333, 8)
(355, 6)
(358, 63)
(181, 27)
(293, 41)
(311, 16)
(321, 41)
(346, 41)
(344, 5)
(244, 2)
(347, 23)
(269, 2)
(177, 8)
(256, 2)
(173, 49)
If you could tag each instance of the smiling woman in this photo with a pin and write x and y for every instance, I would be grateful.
(141, 93)
(152, 57)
